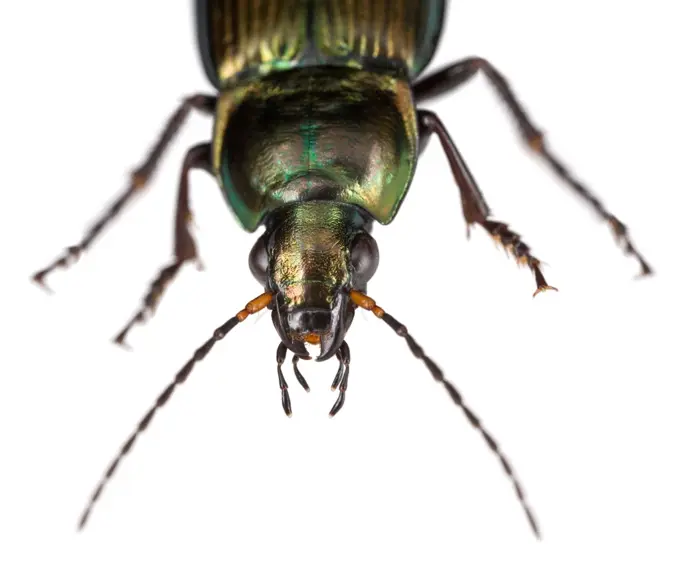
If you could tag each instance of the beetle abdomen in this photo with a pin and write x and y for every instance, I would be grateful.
(316, 133)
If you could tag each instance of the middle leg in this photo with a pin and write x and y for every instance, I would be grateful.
(198, 157)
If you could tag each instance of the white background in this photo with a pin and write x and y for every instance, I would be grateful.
(580, 387)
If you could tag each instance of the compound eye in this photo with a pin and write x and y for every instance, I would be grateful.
(258, 261)
(364, 258)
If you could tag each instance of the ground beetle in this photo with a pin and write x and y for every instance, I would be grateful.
(316, 135)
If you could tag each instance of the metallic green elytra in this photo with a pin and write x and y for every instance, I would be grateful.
(250, 38)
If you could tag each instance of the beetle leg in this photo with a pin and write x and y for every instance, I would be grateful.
(458, 73)
(475, 208)
(344, 358)
(198, 157)
(139, 178)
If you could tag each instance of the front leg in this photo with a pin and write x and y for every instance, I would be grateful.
(475, 208)
(457, 74)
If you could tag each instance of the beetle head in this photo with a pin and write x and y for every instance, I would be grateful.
(310, 257)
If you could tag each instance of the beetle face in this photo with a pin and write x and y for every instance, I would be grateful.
(310, 258)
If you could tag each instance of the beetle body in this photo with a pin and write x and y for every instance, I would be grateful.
(317, 131)
(315, 112)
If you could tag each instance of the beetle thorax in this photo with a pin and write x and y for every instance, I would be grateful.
(316, 134)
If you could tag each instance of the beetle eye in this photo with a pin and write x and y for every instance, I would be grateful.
(364, 257)
(258, 261)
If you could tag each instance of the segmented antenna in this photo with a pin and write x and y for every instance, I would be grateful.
(365, 302)
(220, 333)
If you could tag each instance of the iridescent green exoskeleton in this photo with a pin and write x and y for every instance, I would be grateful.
(317, 130)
